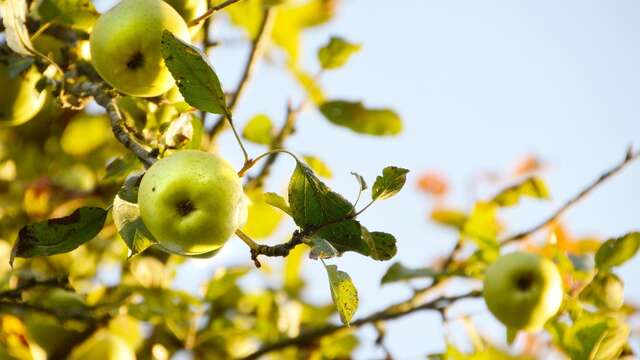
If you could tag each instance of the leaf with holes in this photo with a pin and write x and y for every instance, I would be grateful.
(614, 252)
(343, 293)
(389, 183)
(61, 235)
(382, 246)
(194, 75)
(355, 116)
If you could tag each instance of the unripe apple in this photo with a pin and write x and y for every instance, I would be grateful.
(189, 10)
(19, 99)
(104, 346)
(192, 202)
(523, 290)
(125, 46)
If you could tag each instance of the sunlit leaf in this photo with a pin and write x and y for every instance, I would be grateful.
(343, 292)
(278, 201)
(449, 217)
(85, 133)
(399, 272)
(310, 85)
(614, 252)
(194, 75)
(14, 17)
(532, 187)
(389, 183)
(592, 337)
(433, 184)
(605, 291)
(482, 226)
(355, 116)
(263, 219)
(259, 130)
(336, 53)
(56, 236)
(318, 166)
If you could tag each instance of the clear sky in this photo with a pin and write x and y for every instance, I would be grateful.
(479, 84)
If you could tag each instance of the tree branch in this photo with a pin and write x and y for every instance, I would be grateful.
(257, 48)
(210, 12)
(107, 99)
(630, 156)
(390, 313)
(16, 293)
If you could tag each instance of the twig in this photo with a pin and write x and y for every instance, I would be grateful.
(266, 250)
(311, 335)
(210, 12)
(629, 157)
(257, 48)
(105, 98)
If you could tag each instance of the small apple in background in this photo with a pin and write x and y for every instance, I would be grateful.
(189, 10)
(125, 46)
(19, 99)
(523, 290)
(103, 346)
(192, 202)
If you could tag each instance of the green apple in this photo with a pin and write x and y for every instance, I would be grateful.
(19, 99)
(104, 346)
(192, 202)
(125, 46)
(523, 290)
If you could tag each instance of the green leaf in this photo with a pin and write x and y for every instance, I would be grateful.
(399, 272)
(614, 252)
(345, 236)
(278, 201)
(14, 17)
(343, 293)
(361, 181)
(354, 116)
(126, 217)
(263, 219)
(533, 187)
(85, 133)
(61, 235)
(312, 203)
(482, 226)
(310, 85)
(605, 291)
(389, 183)
(318, 166)
(336, 53)
(118, 168)
(593, 338)
(382, 246)
(129, 190)
(449, 217)
(194, 75)
(259, 130)
(78, 13)
(321, 249)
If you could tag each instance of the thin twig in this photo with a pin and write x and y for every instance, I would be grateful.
(311, 336)
(210, 12)
(31, 283)
(630, 156)
(257, 48)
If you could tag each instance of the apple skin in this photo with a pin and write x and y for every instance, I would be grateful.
(189, 10)
(523, 290)
(192, 202)
(19, 99)
(125, 46)
(104, 346)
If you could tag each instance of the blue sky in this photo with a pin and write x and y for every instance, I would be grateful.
(479, 84)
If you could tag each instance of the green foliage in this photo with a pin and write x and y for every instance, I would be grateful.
(532, 187)
(615, 252)
(336, 53)
(259, 130)
(55, 236)
(592, 337)
(77, 13)
(343, 292)
(194, 75)
(390, 183)
(399, 272)
(355, 116)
